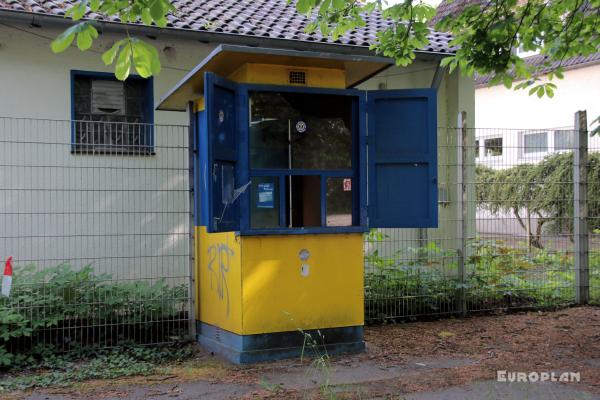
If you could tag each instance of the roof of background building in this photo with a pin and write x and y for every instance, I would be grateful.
(539, 62)
(271, 19)
(452, 7)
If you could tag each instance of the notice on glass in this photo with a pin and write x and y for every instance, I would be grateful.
(266, 194)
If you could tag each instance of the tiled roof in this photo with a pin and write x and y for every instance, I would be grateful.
(273, 19)
(452, 7)
(539, 61)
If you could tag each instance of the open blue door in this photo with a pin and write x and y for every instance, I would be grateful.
(220, 97)
(402, 158)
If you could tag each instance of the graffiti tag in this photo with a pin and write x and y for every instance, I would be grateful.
(220, 253)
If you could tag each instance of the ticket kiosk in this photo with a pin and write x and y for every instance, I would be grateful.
(291, 167)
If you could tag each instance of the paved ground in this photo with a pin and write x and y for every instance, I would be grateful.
(451, 359)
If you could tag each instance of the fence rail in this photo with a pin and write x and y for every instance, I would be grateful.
(96, 217)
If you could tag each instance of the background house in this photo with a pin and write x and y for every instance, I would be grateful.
(70, 193)
(516, 128)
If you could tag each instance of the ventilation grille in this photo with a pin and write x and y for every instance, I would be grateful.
(297, 77)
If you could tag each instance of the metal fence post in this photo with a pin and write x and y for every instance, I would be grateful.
(192, 151)
(580, 209)
(461, 201)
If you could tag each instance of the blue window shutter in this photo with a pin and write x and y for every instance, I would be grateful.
(402, 167)
(220, 97)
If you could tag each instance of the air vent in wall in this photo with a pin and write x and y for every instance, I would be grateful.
(108, 97)
(297, 77)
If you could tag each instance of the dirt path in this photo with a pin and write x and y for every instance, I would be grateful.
(452, 358)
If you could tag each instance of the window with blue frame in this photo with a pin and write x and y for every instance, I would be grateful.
(111, 116)
(278, 160)
(302, 152)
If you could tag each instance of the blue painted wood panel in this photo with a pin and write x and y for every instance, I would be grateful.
(220, 96)
(402, 145)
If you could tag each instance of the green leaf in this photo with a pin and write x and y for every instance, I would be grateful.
(145, 59)
(540, 92)
(146, 17)
(108, 57)
(84, 41)
(156, 10)
(304, 6)
(62, 41)
(123, 65)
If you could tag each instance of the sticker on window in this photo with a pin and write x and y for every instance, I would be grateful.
(266, 193)
(301, 126)
(347, 185)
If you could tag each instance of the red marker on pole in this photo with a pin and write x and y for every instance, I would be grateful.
(7, 277)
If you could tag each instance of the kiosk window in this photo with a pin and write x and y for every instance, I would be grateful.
(300, 131)
(301, 139)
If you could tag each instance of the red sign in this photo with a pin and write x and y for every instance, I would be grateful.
(347, 185)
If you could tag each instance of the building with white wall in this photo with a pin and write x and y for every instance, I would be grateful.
(515, 128)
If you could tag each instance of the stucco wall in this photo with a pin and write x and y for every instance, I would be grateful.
(125, 215)
(498, 107)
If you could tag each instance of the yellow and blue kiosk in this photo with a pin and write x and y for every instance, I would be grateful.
(291, 167)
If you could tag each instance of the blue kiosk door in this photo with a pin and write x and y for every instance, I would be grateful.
(221, 138)
(402, 167)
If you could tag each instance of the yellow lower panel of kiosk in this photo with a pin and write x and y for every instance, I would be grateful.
(292, 282)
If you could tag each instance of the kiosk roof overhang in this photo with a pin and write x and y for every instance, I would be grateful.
(226, 59)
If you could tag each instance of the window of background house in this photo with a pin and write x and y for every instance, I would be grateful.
(535, 142)
(476, 149)
(110, 116)
(493, 147)
(563, 140)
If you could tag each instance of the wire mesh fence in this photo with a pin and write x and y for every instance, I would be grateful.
(100, 239)
(505, 237)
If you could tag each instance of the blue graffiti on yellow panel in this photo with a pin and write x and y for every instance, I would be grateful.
(220, 253)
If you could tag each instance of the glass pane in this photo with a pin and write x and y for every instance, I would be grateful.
(227, 183)
(535, 142)
(264, 211)
(493, 147)
(339, 202)
(563, 140)
(300, 131)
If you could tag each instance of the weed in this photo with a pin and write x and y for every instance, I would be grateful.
(62, 309)
(321, 362)
(424, 281)
(66, 369)
(271, 387)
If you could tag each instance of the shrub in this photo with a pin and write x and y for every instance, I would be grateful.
(61, 308)
(424, 281)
